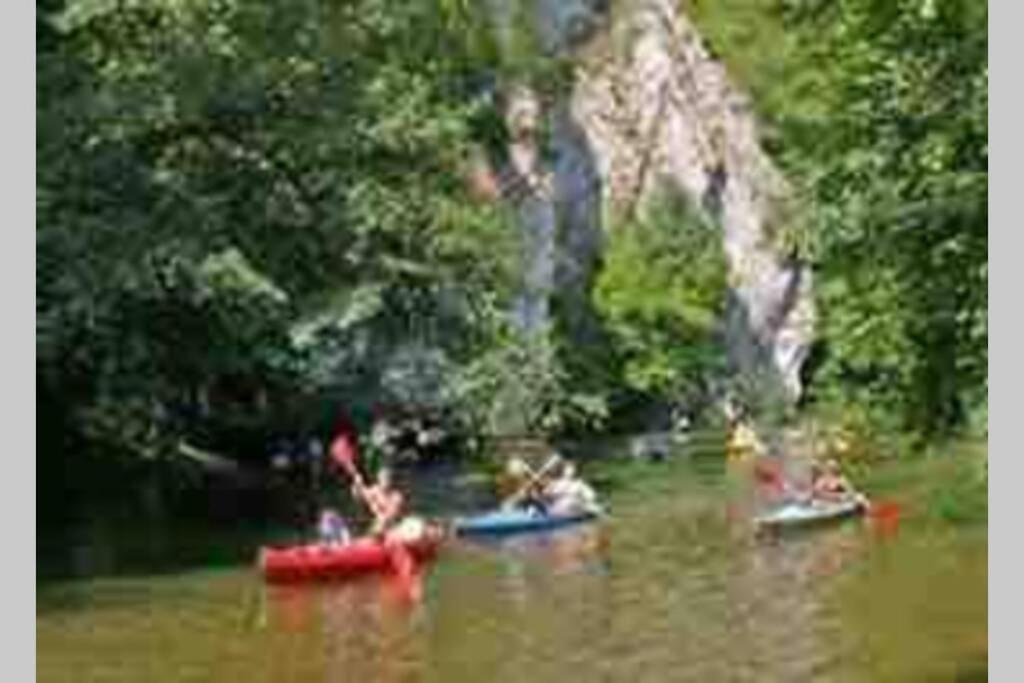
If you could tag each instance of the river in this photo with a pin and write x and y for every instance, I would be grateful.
(672, 587)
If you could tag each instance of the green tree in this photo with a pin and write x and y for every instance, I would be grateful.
(216, 177)
(878, 111)
(898, 181)
(661, 295)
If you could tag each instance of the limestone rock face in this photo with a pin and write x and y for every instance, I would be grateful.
(527, 186)
(649, 105)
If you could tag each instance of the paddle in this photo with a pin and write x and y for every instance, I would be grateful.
(344, 451)
(512, 500)
(884, 516)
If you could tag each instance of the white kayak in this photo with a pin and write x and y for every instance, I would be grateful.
(804, 514)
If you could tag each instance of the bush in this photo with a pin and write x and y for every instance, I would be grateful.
(661, 295)
(521, 385)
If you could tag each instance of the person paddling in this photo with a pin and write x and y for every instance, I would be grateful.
(829, 484)
(515, 476)
(520, 487)
(568, 494)
(386, 503)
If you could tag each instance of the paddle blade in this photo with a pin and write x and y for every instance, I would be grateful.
(886, 509)
(345, 452)
(885, 517)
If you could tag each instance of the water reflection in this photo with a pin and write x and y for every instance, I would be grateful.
(582, 548)
(671, 588)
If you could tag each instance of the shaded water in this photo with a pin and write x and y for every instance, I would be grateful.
(672, 588)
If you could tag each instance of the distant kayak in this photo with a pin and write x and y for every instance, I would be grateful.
(517, 521)
(317, 562)
(805, 514)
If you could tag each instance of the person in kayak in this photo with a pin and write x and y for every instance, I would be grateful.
(771, 485)
(828, 484)
(514, 476)
(568, 494)
(742, 439)
(331, 528)
(386, 503)
(519, 487)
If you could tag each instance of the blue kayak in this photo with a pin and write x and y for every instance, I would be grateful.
(516, 522)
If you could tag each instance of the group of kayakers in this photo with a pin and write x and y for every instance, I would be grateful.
(825, 483)
(531, 500)
(555, 489)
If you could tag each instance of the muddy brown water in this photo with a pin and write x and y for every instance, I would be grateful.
(672, 587)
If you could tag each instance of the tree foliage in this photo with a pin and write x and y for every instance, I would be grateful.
(878, 109)
(523, 385)
(218, 181)
(661, 295)
(248, 211)
(899, 184)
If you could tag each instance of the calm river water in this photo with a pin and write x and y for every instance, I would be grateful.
(673, 587)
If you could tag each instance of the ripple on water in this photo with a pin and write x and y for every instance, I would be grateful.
(667, 590)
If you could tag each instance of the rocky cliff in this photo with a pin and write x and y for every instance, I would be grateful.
(648, 105)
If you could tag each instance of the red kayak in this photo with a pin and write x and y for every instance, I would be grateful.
(317, 562)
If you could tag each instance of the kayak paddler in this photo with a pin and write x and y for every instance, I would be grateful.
(521, 487)
(829, 484)
(386, 503)
(514, 476)
(569, 495)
